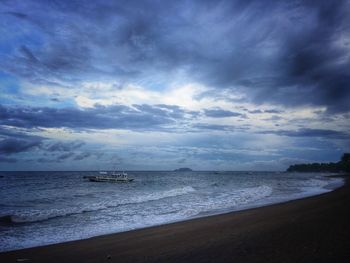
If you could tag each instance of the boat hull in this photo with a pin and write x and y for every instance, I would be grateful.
(109, 180)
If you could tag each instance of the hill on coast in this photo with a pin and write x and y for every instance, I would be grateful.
(342, 166)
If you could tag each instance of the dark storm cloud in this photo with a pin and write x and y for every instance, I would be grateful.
(313, 59)
(10, 133)
(65, 156)
(322, 133)
(255, 111)
(64, 146)
(79, 38)
(100, 117)
(11, 146)
(82, 156)
(7, 160)
(220, 113)
(62, 151)
(286, 52)
(273, 111)
(13, 142)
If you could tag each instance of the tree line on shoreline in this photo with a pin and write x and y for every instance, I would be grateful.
(342, 166)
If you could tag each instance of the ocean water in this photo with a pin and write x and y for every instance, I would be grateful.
(39, 208)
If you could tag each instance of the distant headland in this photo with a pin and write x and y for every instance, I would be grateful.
(184, 169)
(342, 166)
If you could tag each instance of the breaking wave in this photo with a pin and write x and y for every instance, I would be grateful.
(235, 199)
(33, 215)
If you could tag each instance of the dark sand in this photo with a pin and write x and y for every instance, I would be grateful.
(315, 229)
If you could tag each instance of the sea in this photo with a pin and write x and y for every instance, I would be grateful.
(40, 208)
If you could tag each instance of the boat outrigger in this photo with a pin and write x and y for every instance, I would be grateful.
(112, 178)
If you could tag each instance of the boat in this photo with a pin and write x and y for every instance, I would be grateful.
(111, 178)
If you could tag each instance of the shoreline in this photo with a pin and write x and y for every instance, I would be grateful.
(217, 212)
(264, 234)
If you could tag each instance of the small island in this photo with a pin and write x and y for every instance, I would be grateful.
(342, 166)
(184, 169)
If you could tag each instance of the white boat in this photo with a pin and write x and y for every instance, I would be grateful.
(112, 178)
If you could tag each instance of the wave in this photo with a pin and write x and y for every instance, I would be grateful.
(162, 194)
(236, 199)
(36, 215)
(319, 183)
(319, 186)
(251, 194)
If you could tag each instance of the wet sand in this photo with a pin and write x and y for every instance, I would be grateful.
(315, 229)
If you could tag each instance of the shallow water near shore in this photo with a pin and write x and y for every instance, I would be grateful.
(39, 208)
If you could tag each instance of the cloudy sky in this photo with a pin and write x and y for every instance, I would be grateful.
(157, 85)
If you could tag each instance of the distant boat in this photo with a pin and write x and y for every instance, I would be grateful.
(111, 178)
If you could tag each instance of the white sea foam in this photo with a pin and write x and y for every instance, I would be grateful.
(316, 186)
(229, 200)
(317, 183)
(34, 215)
(160, 195)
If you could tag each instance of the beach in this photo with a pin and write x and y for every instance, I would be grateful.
(313, 229)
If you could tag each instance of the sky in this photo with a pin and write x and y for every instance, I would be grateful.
(158, 85)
